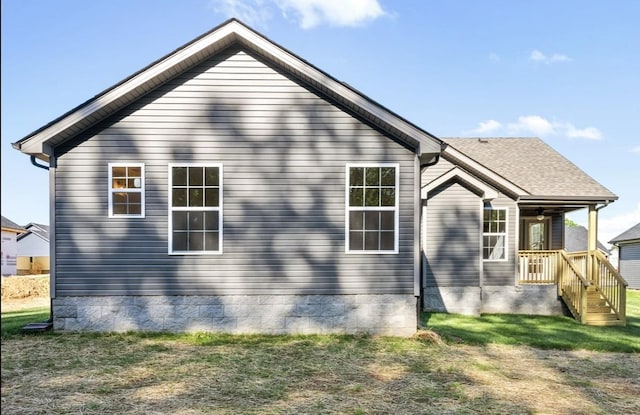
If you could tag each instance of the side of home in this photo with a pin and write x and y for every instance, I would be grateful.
(241, 194)
(232, 186)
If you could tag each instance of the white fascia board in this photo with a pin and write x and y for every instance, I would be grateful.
(488, 192)
(35, 144)
(452, 154)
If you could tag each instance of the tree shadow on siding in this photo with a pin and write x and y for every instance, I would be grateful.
(452, 265)
(284, 209)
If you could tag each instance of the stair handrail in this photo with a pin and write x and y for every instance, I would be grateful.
(575, 269)
(576, 301)
(614, 294)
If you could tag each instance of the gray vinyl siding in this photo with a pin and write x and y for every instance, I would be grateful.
(452, 237)
(433, 172)
(630, 264)
(504, 272)
(283, 150)
(557, 232)
(493, 272)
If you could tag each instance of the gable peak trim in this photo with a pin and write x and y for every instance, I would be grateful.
(463, 177)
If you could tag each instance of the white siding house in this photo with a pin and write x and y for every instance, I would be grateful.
(10, 232)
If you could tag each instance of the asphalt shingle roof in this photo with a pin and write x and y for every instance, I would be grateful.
(533, 165)
(6, 223)
(575, 239)
(37, 229)
(628, 235)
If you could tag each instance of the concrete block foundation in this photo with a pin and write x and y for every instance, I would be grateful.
(518, 299)
(388, 314)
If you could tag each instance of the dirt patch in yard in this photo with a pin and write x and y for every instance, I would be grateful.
(24, 292)
(17, 304)
(25, 286)
(138, 374)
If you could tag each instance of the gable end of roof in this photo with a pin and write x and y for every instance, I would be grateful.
(41, 142)
(630, 235)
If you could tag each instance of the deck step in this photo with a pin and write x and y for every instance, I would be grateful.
(615, 322)
(601, 318)
(37, 327)
(599, 309)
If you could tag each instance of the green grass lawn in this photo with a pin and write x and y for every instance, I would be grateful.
(544, 332)
(562, 333)
(12, 322)
(496, 364)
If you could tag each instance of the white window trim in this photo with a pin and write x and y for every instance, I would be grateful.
(219, 208)
(506, 234)
(395, 208)
(141, 190)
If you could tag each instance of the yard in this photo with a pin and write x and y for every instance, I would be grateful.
(465, 373)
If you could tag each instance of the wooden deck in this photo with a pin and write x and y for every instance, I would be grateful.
(588, 284)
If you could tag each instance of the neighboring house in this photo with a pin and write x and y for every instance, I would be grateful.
(10, 231)
(575, 240)
(33, 250)
(628, 244)
(232, 186)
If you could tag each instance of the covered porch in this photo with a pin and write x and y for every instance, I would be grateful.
(590, 287)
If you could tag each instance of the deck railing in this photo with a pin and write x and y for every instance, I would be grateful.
(573, 273)
(555, 267)
(579, 259)
(610, 284)
(572, 287)
(537, 267)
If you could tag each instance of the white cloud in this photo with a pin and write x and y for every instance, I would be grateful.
(538, 56)
(531, 124)
(252, 12)
(312, 13)
(636, 149)
(486, 127)
(494, 57)
(536, 125)
(590, 133)
(609, 228)
(306, 13)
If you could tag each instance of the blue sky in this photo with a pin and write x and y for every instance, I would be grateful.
(566, 71)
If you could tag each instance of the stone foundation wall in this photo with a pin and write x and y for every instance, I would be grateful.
(386, 314)
(522, 299)
(459, 300)
(519, 299)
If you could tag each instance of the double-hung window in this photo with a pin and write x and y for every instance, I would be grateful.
(372, 208)
(195, 209)
(126, 190)
(494, 234)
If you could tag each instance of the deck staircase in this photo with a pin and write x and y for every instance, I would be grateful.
(599, 312)
(591, 288)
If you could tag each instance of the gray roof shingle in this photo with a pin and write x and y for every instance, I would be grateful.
(628, 235)
(9, 224)
(38, 229)
(575, 239)
(533, 165)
